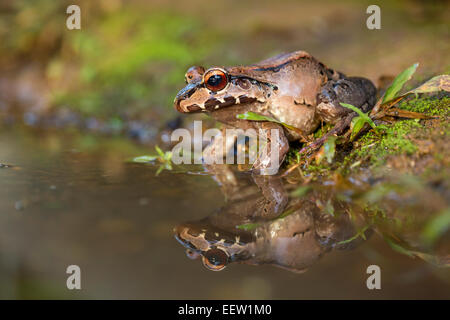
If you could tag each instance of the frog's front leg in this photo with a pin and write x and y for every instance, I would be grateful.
(273, 148)
(218, 149)
(213, 156)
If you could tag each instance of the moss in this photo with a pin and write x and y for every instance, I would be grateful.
(375, 147)
(322, 130)
(399, 138)
(429, 105)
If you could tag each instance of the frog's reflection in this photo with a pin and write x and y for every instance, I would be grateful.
(261, 224)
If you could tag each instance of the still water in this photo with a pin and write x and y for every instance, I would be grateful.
(71, 199)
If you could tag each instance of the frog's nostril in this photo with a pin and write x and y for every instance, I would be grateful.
(184, 94)
(191, 254)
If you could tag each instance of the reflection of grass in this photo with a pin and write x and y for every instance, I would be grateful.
(436, 227)
(359, 233)
(163, 158)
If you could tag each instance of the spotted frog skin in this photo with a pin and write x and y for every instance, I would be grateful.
(294, 242)
(293, 88)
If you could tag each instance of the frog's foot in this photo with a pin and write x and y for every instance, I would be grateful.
(337, 130)
(274, 146)
(358, 92)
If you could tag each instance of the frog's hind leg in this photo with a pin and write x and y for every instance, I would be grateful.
(359, 92)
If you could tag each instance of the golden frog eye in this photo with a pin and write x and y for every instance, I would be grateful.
(215, 79)
(215, 259)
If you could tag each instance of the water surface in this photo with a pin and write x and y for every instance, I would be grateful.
(74, 199)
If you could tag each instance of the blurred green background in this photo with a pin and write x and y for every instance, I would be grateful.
(128, 60)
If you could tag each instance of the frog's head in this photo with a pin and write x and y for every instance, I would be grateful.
(217, 248)
(218, 88)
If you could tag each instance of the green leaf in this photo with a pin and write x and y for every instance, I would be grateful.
(363, 115)
(300, 191)
(432, 259)
(160, 152)
(397, 247)
(357, 110)
(436, 227)
(259, 117)
(248, 226)
(357, 126)
(161, 168)
(168, 156)
(144, 159)
(329, 209)
(329, 148)
(286, 213)
(437, 83)
(360, 233)
(254, 117)
(398, 83)
(382, 127)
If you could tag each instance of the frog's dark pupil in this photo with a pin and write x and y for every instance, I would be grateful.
(214, 261)
(216, 257)
(214, 80)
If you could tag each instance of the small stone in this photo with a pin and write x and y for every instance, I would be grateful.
(143, 201)
(20, 205)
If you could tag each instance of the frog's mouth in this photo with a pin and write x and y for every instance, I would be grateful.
(184, 94)
(209, 104)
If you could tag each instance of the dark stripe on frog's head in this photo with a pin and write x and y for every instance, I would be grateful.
(276, 68)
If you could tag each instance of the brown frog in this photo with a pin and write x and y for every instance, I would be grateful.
(293, 88)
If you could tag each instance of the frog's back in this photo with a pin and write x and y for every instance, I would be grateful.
(298, 75)
(264, 70)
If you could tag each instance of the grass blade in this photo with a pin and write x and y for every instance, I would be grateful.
(398, 83)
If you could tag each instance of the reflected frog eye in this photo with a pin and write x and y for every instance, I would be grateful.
(215, 79)
(215, 259)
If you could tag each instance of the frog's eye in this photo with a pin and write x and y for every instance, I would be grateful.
(215, 79)
(215, 259)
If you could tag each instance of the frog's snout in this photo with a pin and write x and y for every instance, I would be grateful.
(184, 94)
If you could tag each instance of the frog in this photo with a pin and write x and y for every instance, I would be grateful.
(294, 89)
(253, 228)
